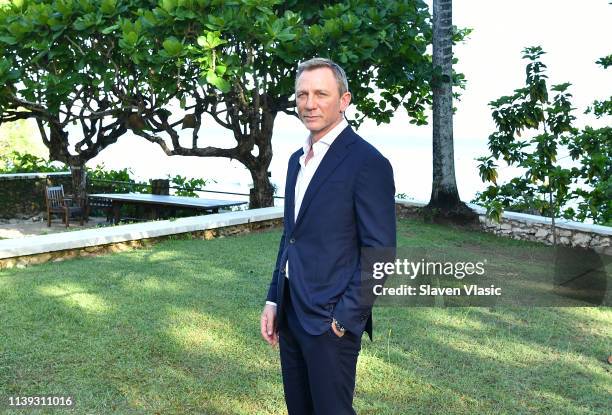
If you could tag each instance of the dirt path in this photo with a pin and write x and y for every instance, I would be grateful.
(20, 228)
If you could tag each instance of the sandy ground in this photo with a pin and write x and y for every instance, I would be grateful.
(20, 228)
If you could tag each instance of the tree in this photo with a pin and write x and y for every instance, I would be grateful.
(113, 65)
(545, 185)
(60, 67)
(593, 148)
(444, 193)
(235, 61)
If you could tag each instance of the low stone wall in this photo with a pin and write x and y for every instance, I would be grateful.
(55, 256)
(543, 232)
(22, 196)
(533, 228)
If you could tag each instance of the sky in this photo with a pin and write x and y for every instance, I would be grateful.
(574, 34)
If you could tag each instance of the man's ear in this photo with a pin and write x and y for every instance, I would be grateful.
(345, 100)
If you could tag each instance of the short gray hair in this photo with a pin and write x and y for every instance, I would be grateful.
(315, 63)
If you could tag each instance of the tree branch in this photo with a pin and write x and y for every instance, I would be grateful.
(183, 151)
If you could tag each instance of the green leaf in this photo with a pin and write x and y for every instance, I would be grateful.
(9, 40)
(131, 38)
(202, 41)
(215, 22)
(277, 26)
(213, 79)
(110, 29)
(220, 69)
(108, 6)
(168, 5)
(149, 19)
(173, 46)
(211, 40)
(5, 66)
(286, 35)
(84, 22)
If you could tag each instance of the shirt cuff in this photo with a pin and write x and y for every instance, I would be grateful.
(271, 303)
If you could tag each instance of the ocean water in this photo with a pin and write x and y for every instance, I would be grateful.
(408, 148)
(409, 155)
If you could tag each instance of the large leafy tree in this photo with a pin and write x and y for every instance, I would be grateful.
(59, 66)
(160, 67)
(236, 60)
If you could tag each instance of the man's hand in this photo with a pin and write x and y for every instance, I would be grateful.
(336, 331)
(268, 325)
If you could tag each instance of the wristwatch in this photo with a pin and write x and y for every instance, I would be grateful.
(339, 326)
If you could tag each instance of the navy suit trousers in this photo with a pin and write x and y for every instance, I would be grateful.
(318, 371)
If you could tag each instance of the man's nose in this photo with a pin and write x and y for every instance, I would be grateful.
(311, 102)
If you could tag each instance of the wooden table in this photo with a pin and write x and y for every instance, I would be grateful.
(157, 202)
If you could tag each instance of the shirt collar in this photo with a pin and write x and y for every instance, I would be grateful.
(327, 139)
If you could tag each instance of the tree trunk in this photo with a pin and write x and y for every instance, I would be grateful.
(444, 194)
(79, 182)
(262, 193)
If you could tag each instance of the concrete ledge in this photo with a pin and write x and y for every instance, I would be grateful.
(10, 248)
(37, 249)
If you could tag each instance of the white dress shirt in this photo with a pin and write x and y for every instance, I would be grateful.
(308, 170)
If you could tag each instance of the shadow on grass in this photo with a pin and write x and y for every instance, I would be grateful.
(175, 329)
(178, 332)
(513, 361)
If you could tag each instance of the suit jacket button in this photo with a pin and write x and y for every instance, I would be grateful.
(292, 240)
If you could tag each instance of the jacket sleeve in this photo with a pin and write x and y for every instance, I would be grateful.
(275, 275)
(374, 206)
(272, 290)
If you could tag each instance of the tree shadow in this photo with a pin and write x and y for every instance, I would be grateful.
(149, 349)
(179, 333)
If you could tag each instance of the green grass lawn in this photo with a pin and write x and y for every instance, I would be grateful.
(174, 329)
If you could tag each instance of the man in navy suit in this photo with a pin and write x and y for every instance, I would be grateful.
(339, 198)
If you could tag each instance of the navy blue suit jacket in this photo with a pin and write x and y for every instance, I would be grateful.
(349, 204)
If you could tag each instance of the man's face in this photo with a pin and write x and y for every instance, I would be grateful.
(318, 100)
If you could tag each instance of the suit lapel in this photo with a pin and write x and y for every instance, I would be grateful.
(336, 153)
(293, 171)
